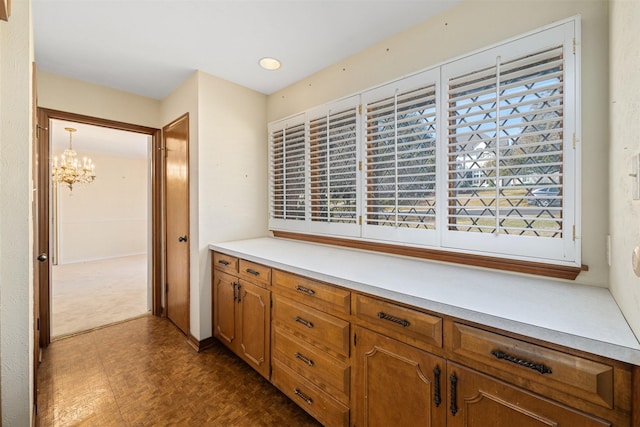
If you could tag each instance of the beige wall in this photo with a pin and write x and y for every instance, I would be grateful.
(227, 176)
(232, 172)
(74, 96)
(624, 127)
(16, 255)
(467, 27)
(107, 218)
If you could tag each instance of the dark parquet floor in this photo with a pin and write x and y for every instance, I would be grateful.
(143, 373)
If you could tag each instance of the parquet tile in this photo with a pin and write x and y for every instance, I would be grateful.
(143, 373)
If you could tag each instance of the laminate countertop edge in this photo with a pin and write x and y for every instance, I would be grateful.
(581, 317)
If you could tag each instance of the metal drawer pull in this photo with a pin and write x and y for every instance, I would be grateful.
(436, 386)
(454, 394)
(402, 322)
(253, 272)
(304, 322)
(305, 290)
(535, 366)
(223, 262)
(239, 287)
(304, 359)
(302, 396)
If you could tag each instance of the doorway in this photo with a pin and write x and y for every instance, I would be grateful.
(47, 119)
(100, 229)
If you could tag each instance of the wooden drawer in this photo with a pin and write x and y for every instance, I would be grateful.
(532, 364)
(325, 371)
(322, 296)
(310, 398)
(323, 330)
(225, 262)
(404, 324)
(255, 273)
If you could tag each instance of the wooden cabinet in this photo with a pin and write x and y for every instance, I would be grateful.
(349, 358)
(397, 384)
(477, 400)
(242, 311)
(311, 346)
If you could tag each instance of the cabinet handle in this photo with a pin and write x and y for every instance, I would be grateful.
(513, 359)
(384, 316)
(223, 262)
(436, 386)
(239, 287)
(253, 272)
(235, 291)
(305, 290)
(302, 396)
(454, 392)
(304, 322)
(304, 359)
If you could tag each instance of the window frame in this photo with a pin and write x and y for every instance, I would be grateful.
(484, 248)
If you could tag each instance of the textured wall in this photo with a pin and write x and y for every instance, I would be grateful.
(625, 143)
(16, 291)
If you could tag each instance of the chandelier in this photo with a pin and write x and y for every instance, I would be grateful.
(70, 170)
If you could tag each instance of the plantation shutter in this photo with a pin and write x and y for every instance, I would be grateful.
(498, 156)
(400, 153)
(288, 172)
(506, 149)
(333, 165)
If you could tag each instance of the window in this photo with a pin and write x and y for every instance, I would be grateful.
(476, 155)
(333, 136)
(288, 171)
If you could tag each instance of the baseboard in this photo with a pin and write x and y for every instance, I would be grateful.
(200, 345)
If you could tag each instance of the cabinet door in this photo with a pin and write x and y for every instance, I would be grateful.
(396, 384)
(224, 307)
(477, 400)
(254, 326)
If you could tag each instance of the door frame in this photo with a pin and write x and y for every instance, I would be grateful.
(157, 236)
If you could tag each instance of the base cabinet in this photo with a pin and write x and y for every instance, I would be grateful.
(351, 359)
(242, 319)
(477, 400)
(397, 384)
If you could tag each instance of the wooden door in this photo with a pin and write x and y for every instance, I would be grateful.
(41, 265)
(396, 384)
(477, 400)
(254, 325)
(176, 144)
(224, 307)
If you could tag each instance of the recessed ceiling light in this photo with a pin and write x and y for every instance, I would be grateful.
(269, 63)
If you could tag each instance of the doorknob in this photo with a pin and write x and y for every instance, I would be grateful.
(182, 238)
(42, 257)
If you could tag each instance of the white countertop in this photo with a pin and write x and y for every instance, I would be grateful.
(582, 317)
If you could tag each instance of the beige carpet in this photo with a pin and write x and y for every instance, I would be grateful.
(88, 295)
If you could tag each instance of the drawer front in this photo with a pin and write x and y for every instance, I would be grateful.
(255, 273)
(323, 330)
(225, 262)
(404, 324)
(580, 377)
(310, 398)
(325, 297)
(325, 371)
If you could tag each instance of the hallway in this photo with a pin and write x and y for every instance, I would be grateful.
(144, 373)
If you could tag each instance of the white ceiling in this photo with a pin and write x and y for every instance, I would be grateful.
(149, 47)
(89, 140)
